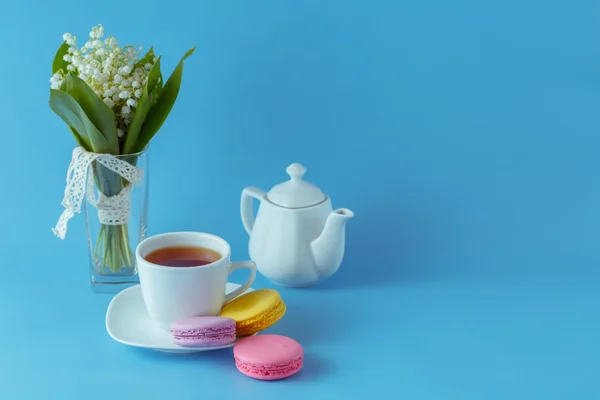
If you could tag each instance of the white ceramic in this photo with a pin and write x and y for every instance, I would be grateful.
(296, 239)
(174, 293)
(128, 322)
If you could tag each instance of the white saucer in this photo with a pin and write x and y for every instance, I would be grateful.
(128, 322)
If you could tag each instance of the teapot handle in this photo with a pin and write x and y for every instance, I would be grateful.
(246, 206)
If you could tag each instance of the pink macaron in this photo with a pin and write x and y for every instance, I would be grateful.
(268, 357)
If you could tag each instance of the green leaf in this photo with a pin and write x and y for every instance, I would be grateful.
(141, 111)
(66, 107)
(80, 141)
(157, 88)
(58, 62)
(161, 109)
(101, 115)
(153, 77)
(148, 58)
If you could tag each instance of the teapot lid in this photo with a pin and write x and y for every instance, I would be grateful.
(295, 193)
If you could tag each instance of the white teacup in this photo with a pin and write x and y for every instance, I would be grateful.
(174, 293)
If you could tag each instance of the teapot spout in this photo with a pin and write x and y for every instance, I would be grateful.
(328, 248)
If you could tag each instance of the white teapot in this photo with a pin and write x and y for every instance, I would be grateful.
(296, 239)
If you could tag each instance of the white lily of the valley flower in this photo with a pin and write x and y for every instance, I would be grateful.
(109, 70)
(70, 39)
(110, 42)
(56, 80)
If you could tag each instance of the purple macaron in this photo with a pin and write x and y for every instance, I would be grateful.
(203, 331)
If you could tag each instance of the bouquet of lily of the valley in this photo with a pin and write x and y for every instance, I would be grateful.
(113, 102)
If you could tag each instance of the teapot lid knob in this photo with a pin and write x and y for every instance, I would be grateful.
(296, 171)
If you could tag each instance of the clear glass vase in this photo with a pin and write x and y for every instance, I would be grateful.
(112, 247)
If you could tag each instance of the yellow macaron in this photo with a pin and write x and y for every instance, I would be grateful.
(255, 311)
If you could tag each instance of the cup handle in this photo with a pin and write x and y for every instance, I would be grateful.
(241, 264)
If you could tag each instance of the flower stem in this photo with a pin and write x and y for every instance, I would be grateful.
(112, 249)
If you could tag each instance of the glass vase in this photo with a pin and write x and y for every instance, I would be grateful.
(112, 247)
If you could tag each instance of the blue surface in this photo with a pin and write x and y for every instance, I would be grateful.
(464, 135)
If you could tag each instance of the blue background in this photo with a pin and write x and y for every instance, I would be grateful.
(464, 135)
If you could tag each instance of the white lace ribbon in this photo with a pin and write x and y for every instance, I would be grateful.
(113, 210)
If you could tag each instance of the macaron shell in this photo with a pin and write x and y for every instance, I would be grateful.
(190, 341)
(255, 311)
(261, 322)
(269, 373)
(268, 349)
(208, 323)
